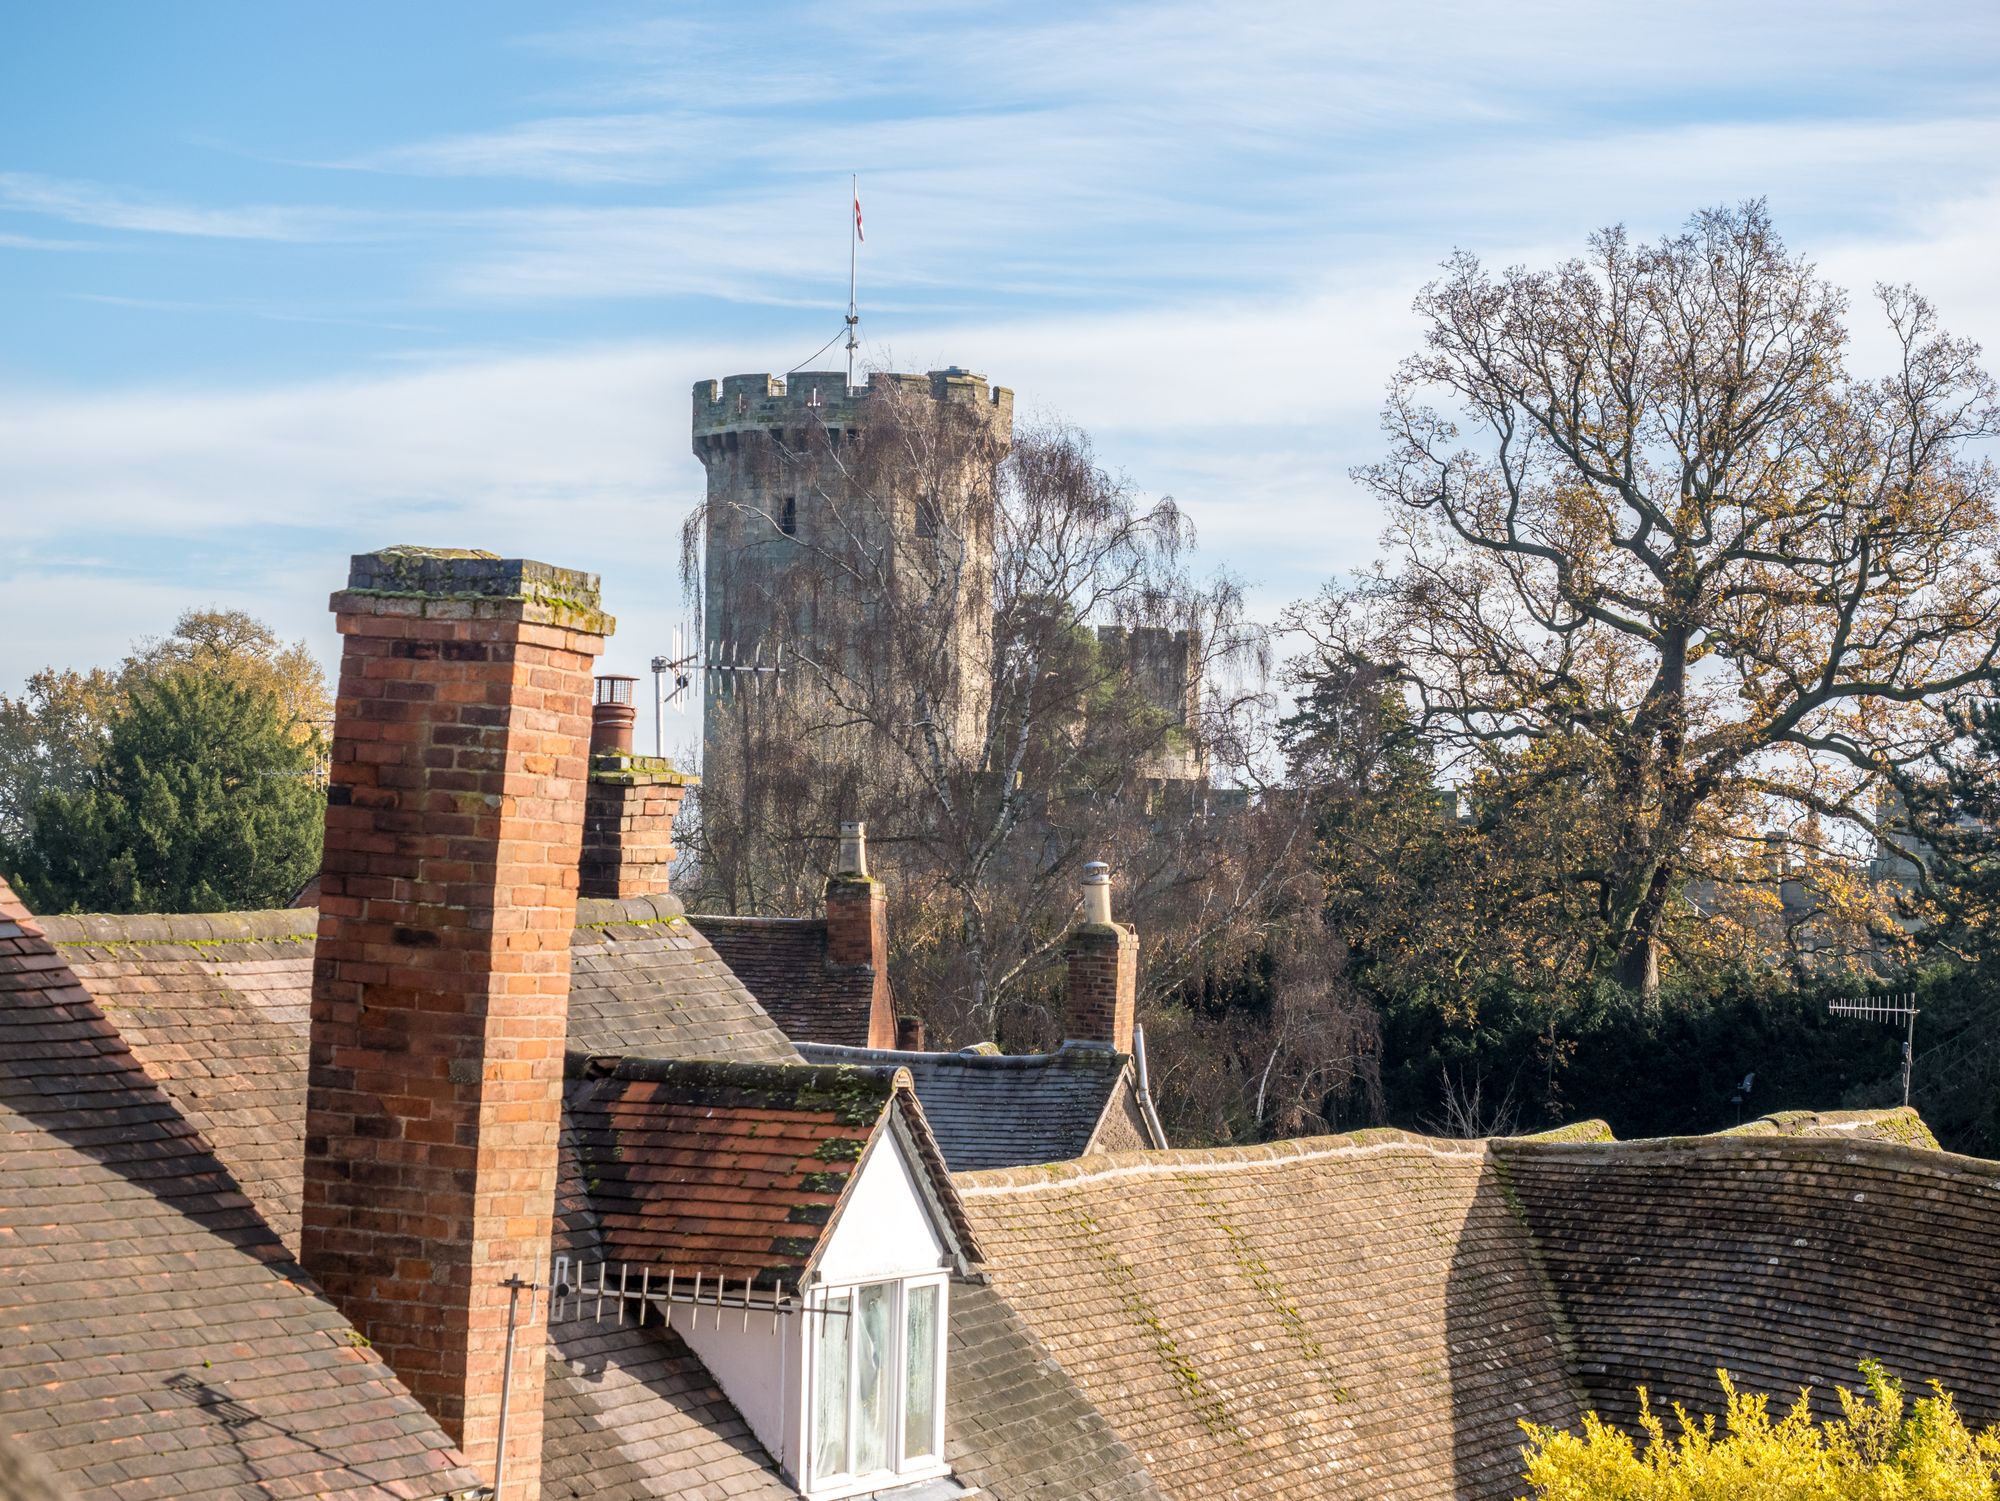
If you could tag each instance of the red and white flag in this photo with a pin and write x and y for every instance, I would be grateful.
(857, 219)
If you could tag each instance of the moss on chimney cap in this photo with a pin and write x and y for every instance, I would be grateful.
(469, 573)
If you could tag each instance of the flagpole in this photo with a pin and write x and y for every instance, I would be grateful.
(853, 229)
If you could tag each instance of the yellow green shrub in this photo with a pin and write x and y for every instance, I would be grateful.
(1883, 1447)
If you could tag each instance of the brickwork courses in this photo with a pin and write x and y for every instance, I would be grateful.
(441, 973)
(628, 826)
(1100, 998)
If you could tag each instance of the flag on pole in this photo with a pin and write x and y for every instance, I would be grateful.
(857, 218)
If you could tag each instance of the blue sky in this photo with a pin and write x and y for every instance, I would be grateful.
(279, 283)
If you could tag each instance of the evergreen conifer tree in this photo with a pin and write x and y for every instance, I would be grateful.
(206, 799)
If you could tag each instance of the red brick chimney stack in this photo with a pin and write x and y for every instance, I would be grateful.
(857, 928)
(630, 806)
(441, 976)
(1101, 999)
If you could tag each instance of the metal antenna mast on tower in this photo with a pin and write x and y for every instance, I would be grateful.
(853, 237)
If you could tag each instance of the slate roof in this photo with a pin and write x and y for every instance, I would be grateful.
(217, 1008)
(155, 1338)
(1343, 1316)
(644, 979)
(731, 1169)
(782, 960)
(991, 1110)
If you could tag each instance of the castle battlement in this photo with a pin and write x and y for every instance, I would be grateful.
(748, 403)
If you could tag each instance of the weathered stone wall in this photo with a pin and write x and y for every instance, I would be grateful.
(802, 522)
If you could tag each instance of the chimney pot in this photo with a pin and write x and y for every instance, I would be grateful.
(853, 850)
(1097, 894)
(612, 714)
(630, 805)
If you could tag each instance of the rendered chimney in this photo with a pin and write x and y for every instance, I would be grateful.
(630, 805)
(857, 928)
(441, 975)
(1101, 996)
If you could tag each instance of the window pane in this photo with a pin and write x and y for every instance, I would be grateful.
(920, 1353)
(830, 1390)
(873, 1400)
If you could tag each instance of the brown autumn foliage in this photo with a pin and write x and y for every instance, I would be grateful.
(1670, 589)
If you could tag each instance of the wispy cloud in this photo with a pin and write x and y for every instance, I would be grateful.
(1193, 227)
(246, 310)
(111, 208)
(620, 148)
(10, 241)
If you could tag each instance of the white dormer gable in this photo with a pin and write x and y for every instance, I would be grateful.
(847, 1390)
(886, 1227)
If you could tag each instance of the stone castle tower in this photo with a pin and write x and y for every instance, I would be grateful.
(827, 504)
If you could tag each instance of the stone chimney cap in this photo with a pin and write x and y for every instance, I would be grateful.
(1096, 873)
(468, 573)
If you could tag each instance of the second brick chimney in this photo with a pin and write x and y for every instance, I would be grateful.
(857, 928)
(630, 805)
(441, 975)
(1101, 993)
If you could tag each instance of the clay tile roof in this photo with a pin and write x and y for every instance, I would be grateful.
(1898, 1124)
(732, 1169)
(990, 1110)
(162, 1342)
(783, 962)
(630, 1413)
(1346, 1316)
(1786, 1258)
(1016, 1423)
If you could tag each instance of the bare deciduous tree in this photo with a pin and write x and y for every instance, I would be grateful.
(1022, 676)
(1677, 552)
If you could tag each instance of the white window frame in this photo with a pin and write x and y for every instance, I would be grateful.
(907, 1469)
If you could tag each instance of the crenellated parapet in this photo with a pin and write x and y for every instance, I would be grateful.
(726, 409)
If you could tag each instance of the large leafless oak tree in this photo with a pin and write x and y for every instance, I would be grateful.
(1646, 527)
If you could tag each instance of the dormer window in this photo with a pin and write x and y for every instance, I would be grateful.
(788, 516)
(877, 1384)
(815, 1199)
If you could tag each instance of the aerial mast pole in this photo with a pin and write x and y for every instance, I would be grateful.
(853, 234)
